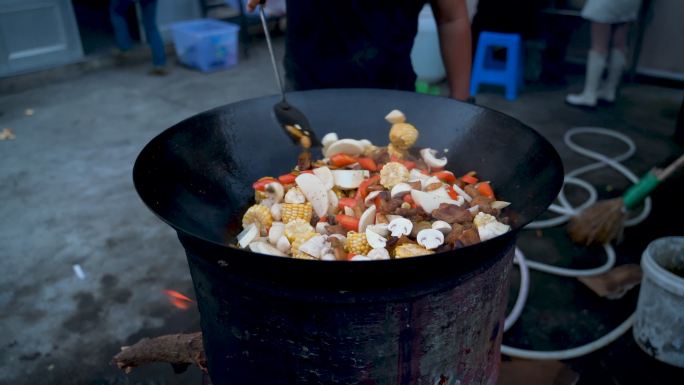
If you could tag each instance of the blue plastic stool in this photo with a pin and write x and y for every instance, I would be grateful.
(487, 70)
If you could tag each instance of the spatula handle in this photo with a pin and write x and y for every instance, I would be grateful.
(671, 168)
(638, 192)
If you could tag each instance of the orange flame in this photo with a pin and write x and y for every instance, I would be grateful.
(178, 300)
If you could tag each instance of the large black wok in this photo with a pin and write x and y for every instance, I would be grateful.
(197, 177)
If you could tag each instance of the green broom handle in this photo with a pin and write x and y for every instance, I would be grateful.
(638, 192)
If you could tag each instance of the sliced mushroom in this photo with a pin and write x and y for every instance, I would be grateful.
(378, 254)
(379, 228)
(249, 234)
(314, 246)
(395, 116)
(442, 226)
(360, 258)
(367, 218)
(329, 139)
(283, 244)
(315, 192)
(375, 240)
(430, 238)
(400, 226)
(276, 211)
(429, 158)
(294, 195)
(351, 147)
(400, 189)
(328, 257)
(474, 209)
(275, 232)
(333, 202)
(349, 179)
(324, 174)
(275, 191)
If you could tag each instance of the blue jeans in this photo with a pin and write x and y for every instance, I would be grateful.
(117, 13)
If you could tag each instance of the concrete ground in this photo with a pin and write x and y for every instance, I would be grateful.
(68, 199)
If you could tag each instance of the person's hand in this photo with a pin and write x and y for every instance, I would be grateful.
(251, 4)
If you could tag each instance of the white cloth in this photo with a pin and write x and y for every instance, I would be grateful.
(611, 11)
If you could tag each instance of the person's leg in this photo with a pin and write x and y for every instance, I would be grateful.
(149, 17)
(117, 14)
(596, 63)
(600, 37)
(616, 65)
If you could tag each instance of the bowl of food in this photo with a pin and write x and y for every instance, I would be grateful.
(383, 256)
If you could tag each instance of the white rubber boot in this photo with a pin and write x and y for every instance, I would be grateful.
(616, 66)
(596, 63)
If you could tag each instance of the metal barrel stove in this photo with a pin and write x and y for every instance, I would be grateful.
(434, 319)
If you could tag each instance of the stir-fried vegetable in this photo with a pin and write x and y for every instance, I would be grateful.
(363, 202)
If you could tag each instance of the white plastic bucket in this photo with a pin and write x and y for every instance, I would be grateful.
(659, 324)
(425, 55)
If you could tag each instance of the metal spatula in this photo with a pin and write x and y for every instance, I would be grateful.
(292, 120)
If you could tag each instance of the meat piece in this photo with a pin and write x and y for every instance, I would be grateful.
(336, 229)
(389, 206)
(469, 237)
(413, 214)
(417, 227)
(314, 220)
(452, 214)
(338, 249)
(471, 190)
(452, 237)
(484, 204)
(443, 248)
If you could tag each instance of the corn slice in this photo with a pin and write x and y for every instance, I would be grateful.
(294, 211)
(297, 228)
(410, 250)
(260, 215)
(259, 196)
(357, 243)
(298, 242)
(392, 174)
(403, 135)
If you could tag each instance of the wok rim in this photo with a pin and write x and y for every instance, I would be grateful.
(555, 186)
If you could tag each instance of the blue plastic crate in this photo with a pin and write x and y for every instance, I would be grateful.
(206, 44)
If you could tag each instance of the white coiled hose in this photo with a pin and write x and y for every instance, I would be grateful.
(567, 211)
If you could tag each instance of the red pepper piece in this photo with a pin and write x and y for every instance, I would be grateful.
(341, 160)
(348, 222)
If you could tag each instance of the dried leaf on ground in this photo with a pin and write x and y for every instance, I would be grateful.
(615, 283)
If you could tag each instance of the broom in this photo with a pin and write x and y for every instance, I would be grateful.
(604, 221)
